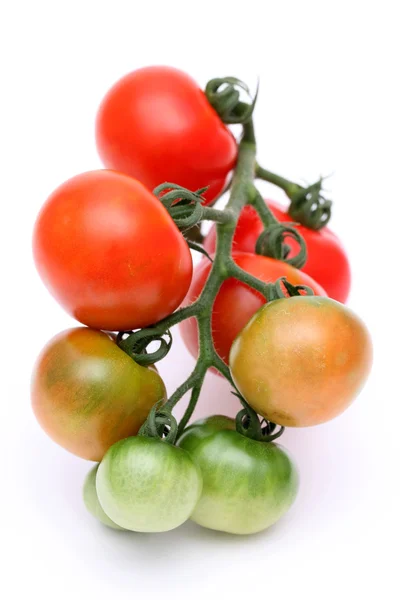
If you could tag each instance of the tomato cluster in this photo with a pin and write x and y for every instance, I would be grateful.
(117, 257)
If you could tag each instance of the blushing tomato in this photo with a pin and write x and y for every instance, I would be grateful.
(147, 485)
(301, 361)
(157, 125)
(236, 303)
(91, 500)
(87, 393)
(110, 253)
(327, 262)
(247, 485)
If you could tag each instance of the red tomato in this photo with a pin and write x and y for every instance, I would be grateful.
(110, 253)
(327, 262)
(157, 125)
(236, 303)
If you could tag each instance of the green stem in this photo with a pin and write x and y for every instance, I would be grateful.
(222, 268)
(191, 406)
(245, 277)
(218, 216)
(285, 184)
(262, 208)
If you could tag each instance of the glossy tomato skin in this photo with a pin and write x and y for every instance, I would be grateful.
(91, 500)
(110, 253)
(87, 393)
(247, 485)
(202, 429)
(157, 125)
(301, 361)
(147, 485)
(236, 303)
(327, 261)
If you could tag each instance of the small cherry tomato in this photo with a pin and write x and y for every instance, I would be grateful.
(145, 484)
(327, 261)
(157, 125)
(110, 253)
(91, 500)
(87, 393)
(301, 361)
(247, 485)
(202, 429)
(236, 303)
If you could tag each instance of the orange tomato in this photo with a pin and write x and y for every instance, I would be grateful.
(301, 361)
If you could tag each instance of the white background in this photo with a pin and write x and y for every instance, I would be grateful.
(329, 102)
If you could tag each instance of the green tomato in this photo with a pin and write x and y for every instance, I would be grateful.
(202, 429)
(247, 485)
(91, 500)
(147, 485)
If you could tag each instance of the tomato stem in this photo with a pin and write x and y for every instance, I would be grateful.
(187, 210)
(307, 205)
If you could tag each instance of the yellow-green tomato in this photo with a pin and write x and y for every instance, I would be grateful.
(301, 361)
(202, 429)
(247, 485)
(88, 394)
(145, 484)
(91, 500)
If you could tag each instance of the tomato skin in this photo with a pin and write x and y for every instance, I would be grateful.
(87, 393)
(247, 485)
(236, 303)
(157, 125)
(110, 253)
(301, 361)
(147, 485)
(91, 500)
(327, 261)
(202, 429)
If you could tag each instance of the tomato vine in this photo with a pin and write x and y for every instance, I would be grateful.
(186, 209)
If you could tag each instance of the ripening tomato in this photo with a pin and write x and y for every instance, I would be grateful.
(145, 484)
(247, 485)
(110, 253)
(202, 429)
(327, 261)
(236, 303)
(157, 125)
(87, 393)
(301, 361)
(91, 500)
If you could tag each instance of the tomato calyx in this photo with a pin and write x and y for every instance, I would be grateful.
(309, 207)
(249, 424)
(271, 241)
(134, 343)
(223, 93)
(160, 424)
(187, 210)
(307, 204)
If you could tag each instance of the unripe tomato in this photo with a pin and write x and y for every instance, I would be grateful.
(327, 261)
(202, 429)
(236, 303)
(87, 393)
(145, 484)
(91, 500)
(301, 361)
(109, 252)
(247, 485)
(157, 125)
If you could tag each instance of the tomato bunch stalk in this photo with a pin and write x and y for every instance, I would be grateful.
(242, 192)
